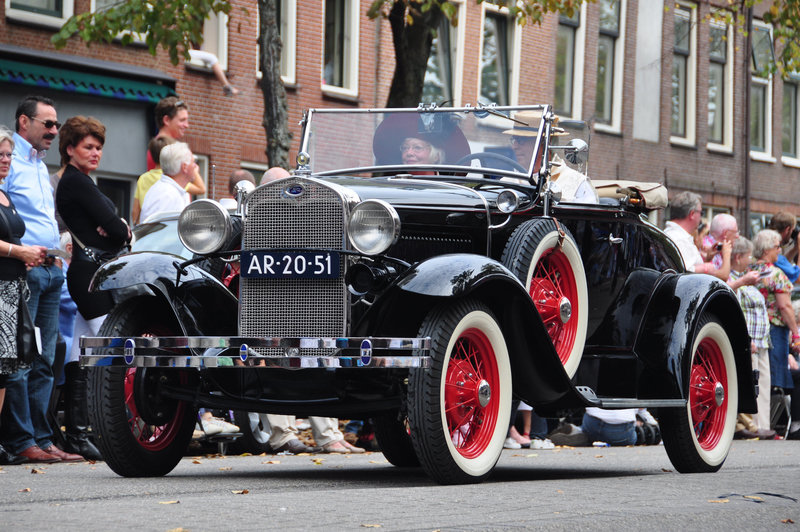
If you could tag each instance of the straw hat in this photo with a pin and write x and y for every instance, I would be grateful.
(530, 128)
(440, 131)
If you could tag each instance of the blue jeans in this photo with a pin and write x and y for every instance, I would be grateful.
(28, 390)
(779, 357)
(611, 433)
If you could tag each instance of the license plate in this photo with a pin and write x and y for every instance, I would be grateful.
(290, 264)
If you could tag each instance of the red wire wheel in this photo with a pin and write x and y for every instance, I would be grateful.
(470, 409)
(150, 437)
(697, 438)
(553, 286)
(543, 255)
(708, 401)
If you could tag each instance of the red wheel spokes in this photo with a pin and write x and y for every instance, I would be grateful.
(707, 379)
(472, 364)
(553, 281)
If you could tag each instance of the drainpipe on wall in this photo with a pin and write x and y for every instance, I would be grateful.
(748, 52)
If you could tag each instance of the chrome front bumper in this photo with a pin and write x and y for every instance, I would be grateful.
(236, 351)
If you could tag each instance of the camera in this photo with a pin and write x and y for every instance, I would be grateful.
(718, 246)
(795, 231)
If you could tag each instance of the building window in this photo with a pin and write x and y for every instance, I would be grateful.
(569, 65)
(610, 59)
(287, 14)
(496, 59)
(789, 117)
(683, 74)
(50, 13)
(720, 85)
(438, 85)
(761, 92)
(758, 221)
(340, 64)
(215, 41)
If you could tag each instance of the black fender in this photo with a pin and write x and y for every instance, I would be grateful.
(538, 376)
(190, 295)
(665, 338)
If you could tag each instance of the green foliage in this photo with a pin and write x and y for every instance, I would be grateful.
(525, 10)
(172, 24)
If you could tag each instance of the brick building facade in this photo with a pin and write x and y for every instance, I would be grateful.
(663, 93)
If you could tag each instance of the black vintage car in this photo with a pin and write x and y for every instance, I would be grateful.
(422, 267)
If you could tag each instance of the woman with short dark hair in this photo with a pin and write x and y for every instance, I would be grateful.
(97, 233)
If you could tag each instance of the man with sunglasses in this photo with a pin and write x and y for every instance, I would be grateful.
(25, 429)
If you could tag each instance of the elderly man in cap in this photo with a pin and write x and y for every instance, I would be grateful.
(575, 186)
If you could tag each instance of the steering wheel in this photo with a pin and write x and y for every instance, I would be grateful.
(489, 156)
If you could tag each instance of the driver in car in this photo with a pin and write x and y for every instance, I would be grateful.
(575, 186)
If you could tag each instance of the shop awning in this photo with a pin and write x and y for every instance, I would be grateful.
(78, 82)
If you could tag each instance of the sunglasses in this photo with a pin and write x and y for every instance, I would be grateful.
(48, 124)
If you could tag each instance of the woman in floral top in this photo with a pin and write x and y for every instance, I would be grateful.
(776, 289)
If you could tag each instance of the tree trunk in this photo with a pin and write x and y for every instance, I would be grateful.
(276, 110)
(412, 46)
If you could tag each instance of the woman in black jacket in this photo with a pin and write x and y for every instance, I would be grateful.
(97, 233)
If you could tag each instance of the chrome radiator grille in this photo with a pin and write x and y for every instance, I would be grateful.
(293, 307)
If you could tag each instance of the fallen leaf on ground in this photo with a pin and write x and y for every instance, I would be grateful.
(559, 491)
(178, 530)
(240, 492)
(318, 461)
(25, 490)
(196, 462)
(754, 497)
(38, 471)
(666, 470)
(718, 500)
(271, 462)
(379, 461)
(787, 521)
(598, 456)
(169, 502)
(532, 455)
(366, 525)
(225, 468)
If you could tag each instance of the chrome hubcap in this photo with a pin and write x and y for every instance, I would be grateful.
(719, 394)
(484, 393)
(564, 310)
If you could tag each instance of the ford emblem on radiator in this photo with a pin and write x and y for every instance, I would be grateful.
(366, 352)
(294, 191)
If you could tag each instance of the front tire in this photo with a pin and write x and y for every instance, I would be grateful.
(459, 408)
(697, 438)
(139, 433)
(544, 256)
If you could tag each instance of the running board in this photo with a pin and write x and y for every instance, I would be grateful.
(627, 402)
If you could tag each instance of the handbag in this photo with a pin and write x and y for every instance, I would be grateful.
(96, 255)
(27, 341)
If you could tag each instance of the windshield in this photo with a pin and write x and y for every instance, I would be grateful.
(495, 142)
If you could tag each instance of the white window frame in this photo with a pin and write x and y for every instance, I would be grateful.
(351, 35)
(619, 76)
(515, 42)
(764, 156)
(457, 39)
(578, 65)
(288, 32)
(215, 40)
(691, 82)
(39, 19)
(138, 38)
(727, 128)
(203, 166)
(788, 160)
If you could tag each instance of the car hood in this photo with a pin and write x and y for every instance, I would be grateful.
(416, 193)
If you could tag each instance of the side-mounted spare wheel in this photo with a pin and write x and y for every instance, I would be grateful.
(139, 432)
(697, 438)
(459, 408)
(544, 256)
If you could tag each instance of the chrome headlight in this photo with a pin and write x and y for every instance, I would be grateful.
(373, 226)
(204, 226)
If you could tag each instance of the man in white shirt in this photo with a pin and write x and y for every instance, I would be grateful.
(169, 192)
(686, 211)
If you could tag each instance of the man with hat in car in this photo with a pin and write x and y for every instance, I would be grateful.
(575, 186)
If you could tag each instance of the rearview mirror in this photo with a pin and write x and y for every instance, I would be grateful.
(577, 151)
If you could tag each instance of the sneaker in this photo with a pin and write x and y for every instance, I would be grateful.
(210, 427)
(536, 443)
(302, 424)
(510, 443)
(647, 417)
